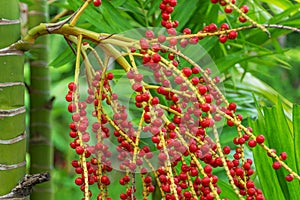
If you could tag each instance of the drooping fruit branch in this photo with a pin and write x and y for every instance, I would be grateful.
(170, 98)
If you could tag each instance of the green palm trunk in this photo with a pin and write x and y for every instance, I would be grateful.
(12, 110)
(40, 146)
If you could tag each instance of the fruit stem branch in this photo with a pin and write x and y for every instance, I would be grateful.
(206, 76)
(117, 128)
(111, 51)
(169, 110)
(199, 166)
(96, 56)
(78, 55)
(156, 177)
(170, 65)
(68, 29)
(194, 158)
(145, 193)
(263, 28)
(137, 137)
(99, 113)
(267, 149)
(223, 158)
(82, 157)
(59, 15)
(190, 181)
(167, 89)
(283, 164)
(79, 12)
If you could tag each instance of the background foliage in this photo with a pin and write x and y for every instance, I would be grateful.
(252, 65)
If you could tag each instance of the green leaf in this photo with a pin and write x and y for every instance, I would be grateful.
(153, 7)
(279, 133)
(257, 86)
(283, 4)
(118, 3)
(296, 120)
(28, 2)
(227, 191)
(115, 17)
(137, 15)
(183, 12)
(263, 165)
(287, 13)
(61, 59)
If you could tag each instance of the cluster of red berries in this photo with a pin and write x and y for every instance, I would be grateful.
(228, 8)
(178, 110)
(93, 163)
(229, 34)
(179, 107)
(167, 8)
(177, 135)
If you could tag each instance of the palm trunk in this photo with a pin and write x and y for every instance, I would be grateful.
(40, 145)
(12, 110)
